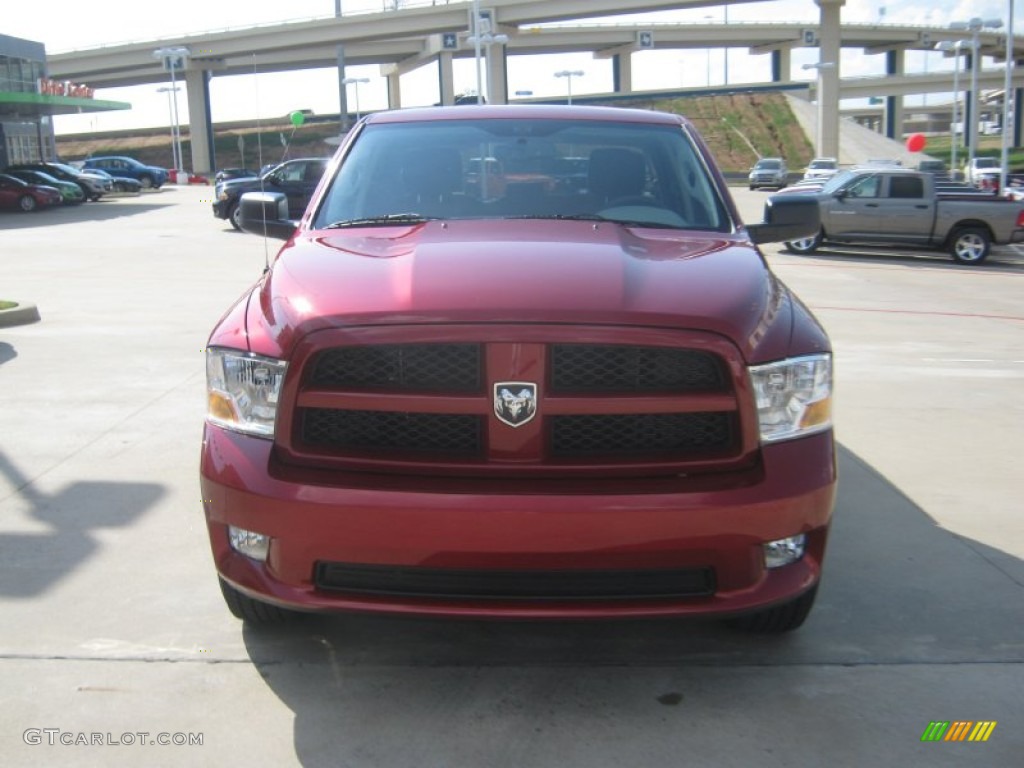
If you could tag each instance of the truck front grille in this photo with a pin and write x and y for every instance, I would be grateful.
(373, 431)
(400, 368)
(627, 408)
(637, 435)
(619, 368)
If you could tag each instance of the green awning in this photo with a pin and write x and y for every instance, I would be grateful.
(34, 105)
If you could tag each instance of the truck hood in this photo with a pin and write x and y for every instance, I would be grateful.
(522, 271)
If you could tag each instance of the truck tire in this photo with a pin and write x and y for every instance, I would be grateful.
(253, 611)
(804, 245)
(970, 245)
(781, 618)
(235, 216)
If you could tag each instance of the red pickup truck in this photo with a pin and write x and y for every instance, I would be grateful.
(576, 398)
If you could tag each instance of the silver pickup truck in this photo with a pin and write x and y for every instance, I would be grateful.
(893, 206)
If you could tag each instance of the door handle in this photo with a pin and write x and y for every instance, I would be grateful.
(871, 205)
(922, 207)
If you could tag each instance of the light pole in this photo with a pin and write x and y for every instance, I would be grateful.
(974, 26)
(482, 36)
(175, 160)
(947, 45)
(569, 74)
(173, 58)
(725, 49)
(356, 81)
(709, 17)
(820, 66)
(1004, 162)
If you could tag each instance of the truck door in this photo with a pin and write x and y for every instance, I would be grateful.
(906, 215)
(853, 212)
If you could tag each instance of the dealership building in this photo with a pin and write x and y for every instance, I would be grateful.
(29, 99)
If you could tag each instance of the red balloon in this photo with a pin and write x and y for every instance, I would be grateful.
(916, 142)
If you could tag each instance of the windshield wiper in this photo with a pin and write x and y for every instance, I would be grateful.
(385, 219)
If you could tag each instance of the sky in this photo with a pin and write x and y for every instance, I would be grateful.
(107, 22)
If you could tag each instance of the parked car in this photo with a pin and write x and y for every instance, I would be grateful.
(227, 174)
(71, 193)
(769, 172)
(821, 168)
(22, 196)
(897, 206)
(122, 184)
(148, 176)
(92, 188)
(295, 178)
(979, 167)
(549, 404)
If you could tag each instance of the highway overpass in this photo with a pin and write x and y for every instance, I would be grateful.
(420, 34)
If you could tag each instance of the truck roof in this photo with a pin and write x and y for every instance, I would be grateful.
(534, 111)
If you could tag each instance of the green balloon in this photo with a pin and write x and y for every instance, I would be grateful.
(297, 118)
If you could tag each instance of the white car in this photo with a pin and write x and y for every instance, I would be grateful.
(821, 168)
(981, 168)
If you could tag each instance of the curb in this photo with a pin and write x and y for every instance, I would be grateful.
(22, 314)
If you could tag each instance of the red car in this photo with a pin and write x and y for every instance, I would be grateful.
(22, 196)
(568, 401)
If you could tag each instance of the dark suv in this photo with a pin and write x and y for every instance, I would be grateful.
(295, 178)
(92, 188)
(150, 176)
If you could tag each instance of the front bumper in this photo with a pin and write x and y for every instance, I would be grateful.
(718, 524)
(221, 208)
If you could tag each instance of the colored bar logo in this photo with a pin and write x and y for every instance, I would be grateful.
(958, 730)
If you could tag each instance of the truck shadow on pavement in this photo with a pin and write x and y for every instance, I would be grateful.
(32, 563)
(1000, 260)
(898, 592)
(104, 210)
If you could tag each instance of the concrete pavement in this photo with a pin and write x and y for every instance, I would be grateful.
(113, 625)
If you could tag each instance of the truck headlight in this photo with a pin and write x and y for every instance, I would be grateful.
(242, 390)
(794, 397)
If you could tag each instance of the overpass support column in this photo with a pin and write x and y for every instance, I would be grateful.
(622, 73)
(895, 63)
(828, 78)
(446, 78)
(394, 91)
(497, 76)
(782, 65)
(200, 120)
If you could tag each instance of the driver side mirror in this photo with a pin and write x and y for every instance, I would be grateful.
(266, 213)
(787, 217)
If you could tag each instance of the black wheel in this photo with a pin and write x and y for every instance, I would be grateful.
(252, 611)
(781, 618)
(970, 245)
(235, 216)
(147, 182)
(27, 203)
(804, 245)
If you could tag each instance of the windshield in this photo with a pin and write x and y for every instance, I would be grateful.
(837, 181)
(767, 164)
(633, 173)
(986, 162)
(823, 164)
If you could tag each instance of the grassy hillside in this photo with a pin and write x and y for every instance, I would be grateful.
(736, 127)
